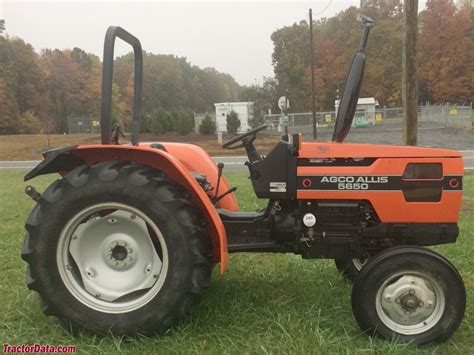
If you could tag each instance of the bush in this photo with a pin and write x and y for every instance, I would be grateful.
(207, 126)
(233, 122)
(165, 122)
(184, 122)
(28, 123)
(158, 122)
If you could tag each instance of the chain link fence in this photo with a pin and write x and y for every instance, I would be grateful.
(83, 125)
(429, 117)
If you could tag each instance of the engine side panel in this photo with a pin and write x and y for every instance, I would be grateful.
(396, 195)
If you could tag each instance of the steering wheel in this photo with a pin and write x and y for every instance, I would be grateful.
(242, 137)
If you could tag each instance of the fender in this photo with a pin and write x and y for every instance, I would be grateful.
(65, 159)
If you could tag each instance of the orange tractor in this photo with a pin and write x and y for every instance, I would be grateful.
(126, 239)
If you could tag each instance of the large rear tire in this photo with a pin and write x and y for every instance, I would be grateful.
(409, 294)
(118, 248)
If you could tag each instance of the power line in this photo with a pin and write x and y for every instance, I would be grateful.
(324, 10)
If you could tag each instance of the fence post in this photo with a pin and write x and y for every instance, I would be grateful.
(384, 118)
(446, 115)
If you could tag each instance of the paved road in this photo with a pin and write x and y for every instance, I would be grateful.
(232, 164)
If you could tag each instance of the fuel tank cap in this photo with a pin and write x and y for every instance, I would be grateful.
(309, 220)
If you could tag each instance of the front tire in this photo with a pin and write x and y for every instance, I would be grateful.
(410, 294)
(118, 248)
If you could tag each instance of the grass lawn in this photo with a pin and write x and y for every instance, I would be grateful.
(263, 304)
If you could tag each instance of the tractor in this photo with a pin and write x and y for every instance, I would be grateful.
(124, 241)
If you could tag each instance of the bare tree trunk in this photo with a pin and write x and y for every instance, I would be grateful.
(410, 72)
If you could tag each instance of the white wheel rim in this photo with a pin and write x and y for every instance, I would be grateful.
(359, 263)
(410, 303)
(107, 259)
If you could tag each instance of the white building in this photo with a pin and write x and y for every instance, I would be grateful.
(245, 111)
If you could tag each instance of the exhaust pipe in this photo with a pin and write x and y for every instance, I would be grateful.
(350, 94)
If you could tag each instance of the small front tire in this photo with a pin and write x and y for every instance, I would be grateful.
(410, 294)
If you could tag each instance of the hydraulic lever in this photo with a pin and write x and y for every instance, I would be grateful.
(216, 198)
(220, 167)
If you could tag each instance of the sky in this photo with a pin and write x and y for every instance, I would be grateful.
(233, 37)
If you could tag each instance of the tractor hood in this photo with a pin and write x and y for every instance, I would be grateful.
(350, 150)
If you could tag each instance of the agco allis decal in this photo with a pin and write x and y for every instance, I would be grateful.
(345, 182)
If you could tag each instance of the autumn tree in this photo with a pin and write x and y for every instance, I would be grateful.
(57, 84)
(446, 49)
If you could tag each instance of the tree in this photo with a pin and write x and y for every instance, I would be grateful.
(172, 83)
(8, 109)
(446, 51)
(28, 123)
(184, 122)
(233, 122)
(207, 126)
(264, 97)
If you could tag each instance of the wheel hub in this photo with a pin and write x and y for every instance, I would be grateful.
(119, 252)
(410, 302)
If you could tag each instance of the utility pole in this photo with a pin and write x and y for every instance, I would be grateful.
(313, 102)
(410, 72)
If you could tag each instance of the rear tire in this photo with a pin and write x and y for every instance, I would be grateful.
(409, 294)
(104, 231)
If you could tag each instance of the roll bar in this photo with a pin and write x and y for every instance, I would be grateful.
(107, 76)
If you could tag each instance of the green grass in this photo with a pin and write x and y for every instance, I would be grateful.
(262, 304)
